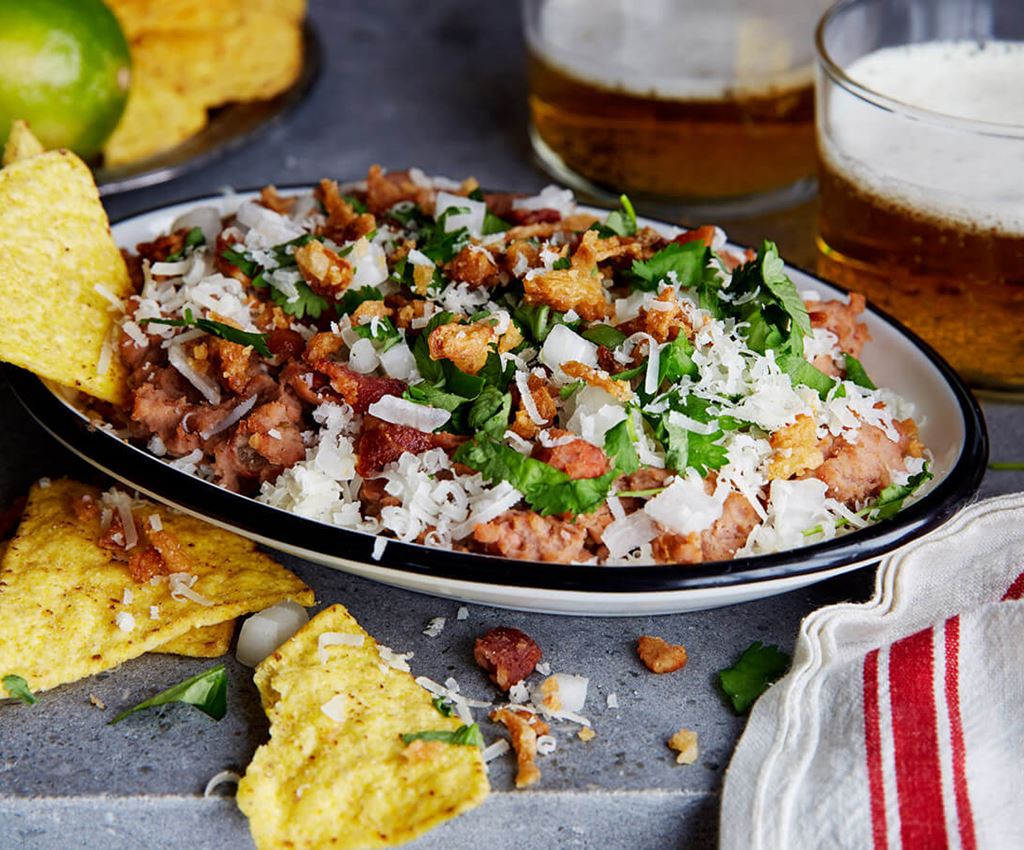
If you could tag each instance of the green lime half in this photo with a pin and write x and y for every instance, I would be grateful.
(64, 68)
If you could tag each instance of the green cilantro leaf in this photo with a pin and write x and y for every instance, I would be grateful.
(430, 370)
(440, 246)
(207, 691)
(687, 261)
(620, 222)
(619, 446)
(604, 335)
(629, 374)
(675, 361)
(468, 736)
(489, 413)
(354, 202)
(569, 390)
(890, 500)
(443, 706)
(561, 264)
(381, 331)
(193, 239)
(750, 676)
(246, 266)
(497, 373)
(535, 321)
(547, 490)
(354, 297)
(431, 396)
(802, 372)
(783, 319)
(855, 372)
(231, 334)
(17, 688)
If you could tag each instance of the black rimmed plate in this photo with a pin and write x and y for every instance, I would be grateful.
(951, 426)
(228, 127)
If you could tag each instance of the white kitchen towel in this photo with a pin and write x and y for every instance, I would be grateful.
(900, 725)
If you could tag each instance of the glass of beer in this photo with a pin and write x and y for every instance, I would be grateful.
(920, 131)
(683, 102)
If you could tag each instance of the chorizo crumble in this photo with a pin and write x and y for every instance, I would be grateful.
(508, 375)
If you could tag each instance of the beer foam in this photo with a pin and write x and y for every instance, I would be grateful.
(680, 49)
(930, 165)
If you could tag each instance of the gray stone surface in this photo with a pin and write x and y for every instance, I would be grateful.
(441, 86)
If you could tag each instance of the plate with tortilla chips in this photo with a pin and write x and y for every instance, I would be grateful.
(203, 135)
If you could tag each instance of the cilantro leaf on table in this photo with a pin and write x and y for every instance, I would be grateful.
(193, 239)
(619, 446)
(207, 691)
(855, 372)
(231, 334)
(753, 672)
(17, 688)
(546, 489)
(619, 222)
(688, 261)
(468, 736)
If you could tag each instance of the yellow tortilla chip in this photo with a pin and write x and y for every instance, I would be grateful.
(336, 772)
(157, 116)
(21, 144)
(207, 642)
(141, 17)
(61, 593)
(55, 249)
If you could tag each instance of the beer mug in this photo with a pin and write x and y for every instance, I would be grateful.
(680, 101)
(921, 147)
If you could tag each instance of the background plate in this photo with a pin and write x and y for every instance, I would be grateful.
(951, 426)
(228, 127)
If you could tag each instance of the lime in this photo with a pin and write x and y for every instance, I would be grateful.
(64, 68)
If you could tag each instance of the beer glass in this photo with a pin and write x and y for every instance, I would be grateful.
(920, 132)
(679, 101)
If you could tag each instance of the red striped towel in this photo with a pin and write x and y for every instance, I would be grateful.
(900, 725)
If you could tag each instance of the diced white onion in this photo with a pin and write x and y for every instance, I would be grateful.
(472, 220)
(125, 621)
(265, 631)
(225, 777)
(498, 748)
(613, 700)
(363, 357)
(400, 411)
(206, 219)
(546, 744)
(398, 362)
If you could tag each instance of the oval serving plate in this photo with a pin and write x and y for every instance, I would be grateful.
(951, 426)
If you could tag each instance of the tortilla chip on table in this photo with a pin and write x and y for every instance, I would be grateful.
(336, 772)
(64, 613)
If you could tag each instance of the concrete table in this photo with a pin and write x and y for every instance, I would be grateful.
(441, 86)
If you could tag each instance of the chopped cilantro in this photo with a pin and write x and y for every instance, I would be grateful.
(193, 239)
(753, 672)
(381, 331)
(431, 396)
(468, 736)
(775, 313)
(430, 370)
(687, 261)
(547, 490)
(355, 203)
(490, 411)
(855, 372)
(629, 374)
(207, 691)
(231, 334)
(354, 297)
(619, 446)
(605, 335)
(620, 222)
(246, 266)
(890, 500)
(17, 688)
(440, 246)
(535, 321)
(802, 372)
(569, 390)
(443, 706)
(561, 264)
(675, 361)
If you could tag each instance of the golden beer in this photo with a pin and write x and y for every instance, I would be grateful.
(739, 144)
(923, 213)
(675, 100)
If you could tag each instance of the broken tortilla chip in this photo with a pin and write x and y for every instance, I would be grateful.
(207, 642)
(21, 144)
(57, 257)
(63, 608)
(336, 772)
